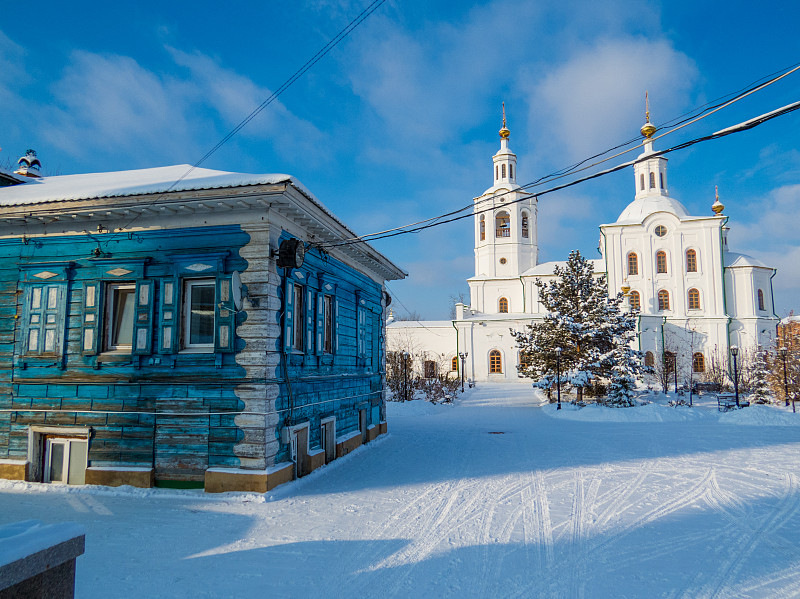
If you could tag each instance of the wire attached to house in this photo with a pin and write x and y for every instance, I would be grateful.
(347, 30)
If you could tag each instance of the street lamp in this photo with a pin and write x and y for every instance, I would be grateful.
(463, 355)
(405, 375)
(783, 352)
(558, 376)
(734, 353)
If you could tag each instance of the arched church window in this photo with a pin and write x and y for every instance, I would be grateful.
(495, 362)
(454, 364)
(698, 362)
(496, 172)
(641, 181)
(635, 300)
(502, 306)
(652, 180)
(525, 225)
(663, 300)
(691, 261)
(661, 261)
(503, 225)
(503, 170)
(633, 264)
(694, 299)
(661, 176)
(483, 227)
(649, 359)
(511, 171)
(761, 299)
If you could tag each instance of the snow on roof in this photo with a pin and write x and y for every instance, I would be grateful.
(790, 319)
(134, 182)
(640, 209)
(734, 259)
(547, 268)
(420, 324)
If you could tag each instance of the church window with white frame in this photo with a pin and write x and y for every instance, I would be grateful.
(691, 261)
(633, 264)
(663, 300)
(661, 262)
(495, 362)
(694, 299)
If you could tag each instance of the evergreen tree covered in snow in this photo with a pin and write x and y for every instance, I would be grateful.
(761, 378)
(587, 325)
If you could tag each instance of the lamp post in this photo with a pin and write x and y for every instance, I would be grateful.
(734, 353)
(783, 352)
(405, 376)
(691, 369)
(463, 355)
(675, 372)
(558, 376)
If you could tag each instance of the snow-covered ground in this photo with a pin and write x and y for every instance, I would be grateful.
(495, 496)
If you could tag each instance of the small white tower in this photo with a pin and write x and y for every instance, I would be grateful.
(651, 174)
(505, 220)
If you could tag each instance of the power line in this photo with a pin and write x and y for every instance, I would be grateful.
(674, 124)
(744, 126)
(362, 16)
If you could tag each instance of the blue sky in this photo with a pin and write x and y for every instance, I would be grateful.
(400, 121)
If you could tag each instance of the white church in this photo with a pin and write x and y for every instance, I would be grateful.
(695, 298)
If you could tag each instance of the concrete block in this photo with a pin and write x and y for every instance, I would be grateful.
(14, 469)
(118, 476)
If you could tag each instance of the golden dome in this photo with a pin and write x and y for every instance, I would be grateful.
(717, 206)
(625, 289)
(648, 129)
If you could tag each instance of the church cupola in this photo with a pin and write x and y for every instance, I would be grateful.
(650, 173)
(28, 165)
(505, 161)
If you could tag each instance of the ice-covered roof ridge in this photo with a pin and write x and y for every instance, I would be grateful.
(181, 177)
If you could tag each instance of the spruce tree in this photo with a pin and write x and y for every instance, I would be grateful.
(587, 325)
(761, 375)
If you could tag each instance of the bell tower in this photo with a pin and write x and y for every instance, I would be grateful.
(505, 219)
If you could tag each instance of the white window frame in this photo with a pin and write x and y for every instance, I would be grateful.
(67, 443)
(299, 323)
(108, 317)
(327, 324)
(186, 310)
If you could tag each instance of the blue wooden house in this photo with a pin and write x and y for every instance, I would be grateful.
(184, 327)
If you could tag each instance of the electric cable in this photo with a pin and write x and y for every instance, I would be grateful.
(746, 125)
(675, 124)
(348, 29)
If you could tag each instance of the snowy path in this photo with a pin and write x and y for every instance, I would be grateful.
(551, 507)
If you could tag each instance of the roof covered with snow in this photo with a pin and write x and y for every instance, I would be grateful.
(420, 324)
(736, 260)
(181, 177)
(547, 268)
(640, 209)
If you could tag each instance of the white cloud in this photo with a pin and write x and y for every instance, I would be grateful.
(596, 98)
(768, 231)
(106, 103)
